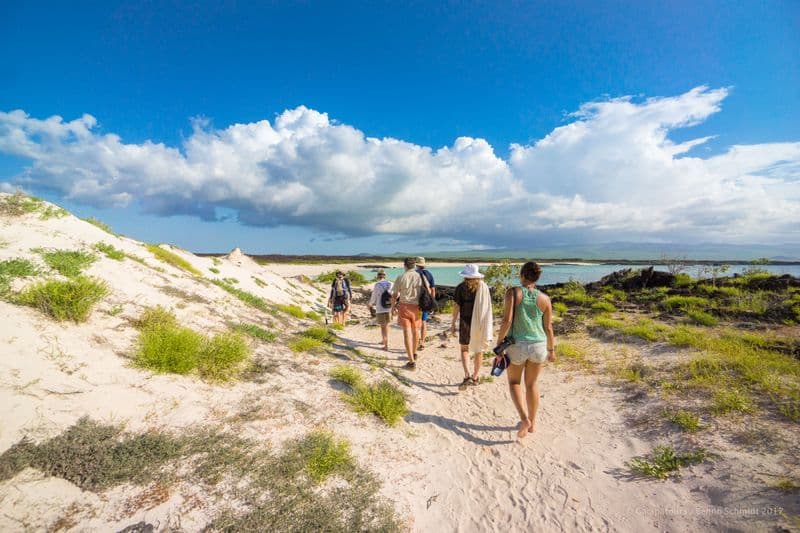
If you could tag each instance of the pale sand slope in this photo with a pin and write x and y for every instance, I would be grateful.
(570, 475)
(454, 464)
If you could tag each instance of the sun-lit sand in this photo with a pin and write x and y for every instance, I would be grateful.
(453, 464)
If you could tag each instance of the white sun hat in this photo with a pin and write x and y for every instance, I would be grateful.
(470, 271)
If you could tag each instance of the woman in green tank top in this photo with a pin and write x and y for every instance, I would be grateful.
(528, 317)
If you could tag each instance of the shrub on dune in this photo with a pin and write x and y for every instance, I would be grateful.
(171, 258)
(69, 263)
(64, 300)
(168, 347)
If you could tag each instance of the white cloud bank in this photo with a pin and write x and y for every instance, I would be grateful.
(610, 174)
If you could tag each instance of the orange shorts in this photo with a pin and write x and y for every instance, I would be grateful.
(408, 315)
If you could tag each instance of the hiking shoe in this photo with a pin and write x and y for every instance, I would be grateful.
(474, 382)
(466, 383)
(421, 347)
(411, 365)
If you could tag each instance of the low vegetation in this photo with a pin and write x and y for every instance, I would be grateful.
(109, 251)
(168, 347)
(356, 278)
(68, 263)
(312, 339)
(171, 258)
(687, 421)
(100, 224)
(273, 492)
(247, 297)
(15, 268)
(664, 461)
(254, 331)
(382, 399)
(73, 299)
(18, 204)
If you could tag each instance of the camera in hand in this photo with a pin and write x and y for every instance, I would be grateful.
(503, 346)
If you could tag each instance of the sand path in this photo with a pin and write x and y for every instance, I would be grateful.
(569, 475)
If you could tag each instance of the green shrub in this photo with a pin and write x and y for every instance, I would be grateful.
(576, 295)
(356, 278)
(320, 333)
(254, 331)
(110, 251)
(684, 303)
(604, 306)
(322, 455)
(382, 399)
(560, 308)
(305, 344)
(292, 310)
(570, 352)
(612, 295)
(748, 302)
(685, 420)
(247, 297)
(64, 300)
(213, 270)
(663, 461)
(731, 401)
(337, 326)
(220, 356)
(348, 375)
(683, 280)
(167, 347)
(172, 258)
(18, 204)
(703, 318)
(17, 268)
(100, 224)
(69, 263)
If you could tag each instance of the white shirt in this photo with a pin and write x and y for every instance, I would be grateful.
(377, 291)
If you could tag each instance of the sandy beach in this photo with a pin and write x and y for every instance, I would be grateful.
(452, 464)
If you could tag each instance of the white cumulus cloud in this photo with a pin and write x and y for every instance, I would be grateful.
(611, 173)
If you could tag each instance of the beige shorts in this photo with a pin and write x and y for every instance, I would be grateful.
(382, 318)
(521, 351)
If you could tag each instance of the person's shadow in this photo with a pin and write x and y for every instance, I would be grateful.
(433, 387)
(462, 429)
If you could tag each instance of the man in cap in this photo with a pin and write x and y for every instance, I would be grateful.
(378, 300)
(425, 315)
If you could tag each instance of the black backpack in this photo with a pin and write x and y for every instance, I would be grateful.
(426, 302)
(386, 298)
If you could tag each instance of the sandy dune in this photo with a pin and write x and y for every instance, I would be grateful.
(454, 464)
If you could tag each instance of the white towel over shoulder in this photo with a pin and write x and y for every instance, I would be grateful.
(481, 334)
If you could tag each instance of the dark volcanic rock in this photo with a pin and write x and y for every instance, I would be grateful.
(628, 279)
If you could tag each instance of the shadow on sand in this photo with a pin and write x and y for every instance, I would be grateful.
(462, 429)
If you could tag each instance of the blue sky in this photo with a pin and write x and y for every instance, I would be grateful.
(425, 74)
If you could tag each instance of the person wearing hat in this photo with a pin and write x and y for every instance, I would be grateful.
(423, 333)
(472, 309)
(380, 302)
(339, 298)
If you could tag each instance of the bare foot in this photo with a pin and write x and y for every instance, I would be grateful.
(522, 428)
(532, 426)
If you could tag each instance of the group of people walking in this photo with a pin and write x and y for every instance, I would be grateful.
(526, 323)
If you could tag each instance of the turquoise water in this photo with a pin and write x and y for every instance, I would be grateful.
(559, 273)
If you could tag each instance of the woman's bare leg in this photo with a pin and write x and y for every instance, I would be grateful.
(465, 359)
(514, 377)
(477, 365)
(532, 371)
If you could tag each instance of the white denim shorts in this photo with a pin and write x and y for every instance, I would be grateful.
(521, 351)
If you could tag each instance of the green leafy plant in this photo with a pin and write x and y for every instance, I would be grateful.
(17, 268)
(64, 300)
(606, 307)
(100, 224)
(171, 258)
(110, 251)
(213, 270)
(703, 318)
(382, 399)
(166, 346)
(685, 420)
(254, 331)
(664, 461)
(69, 263)
(347, 374)
(247, 297)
